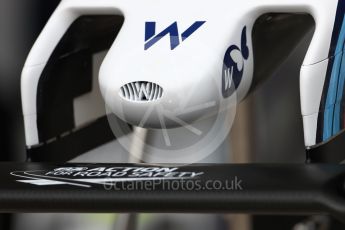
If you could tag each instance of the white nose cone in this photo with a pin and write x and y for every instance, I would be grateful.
(162, 104)
(161, 87)
(163, 93)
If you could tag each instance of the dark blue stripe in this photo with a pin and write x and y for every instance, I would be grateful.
(192, 29)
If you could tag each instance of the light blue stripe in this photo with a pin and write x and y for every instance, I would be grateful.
(334, 88)
(328, 121)
(341, 80)
(333, 84)
(341, 38)
(337, 111)
(330, 101)
(336, 120)
(340, 92)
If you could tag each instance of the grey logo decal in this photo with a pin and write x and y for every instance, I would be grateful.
(141, 91)
(90, 177)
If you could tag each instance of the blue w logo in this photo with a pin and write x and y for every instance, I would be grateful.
(151, 37)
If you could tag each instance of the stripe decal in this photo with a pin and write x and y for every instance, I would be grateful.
(330, 120)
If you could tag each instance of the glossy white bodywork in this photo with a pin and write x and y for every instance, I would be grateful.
(195, 63)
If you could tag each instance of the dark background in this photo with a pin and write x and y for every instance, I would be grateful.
(20, 24)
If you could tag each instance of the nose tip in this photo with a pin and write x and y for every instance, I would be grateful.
(141, 91)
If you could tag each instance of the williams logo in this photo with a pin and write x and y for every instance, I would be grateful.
(151, 37)
(233, 65)
(141, 91)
